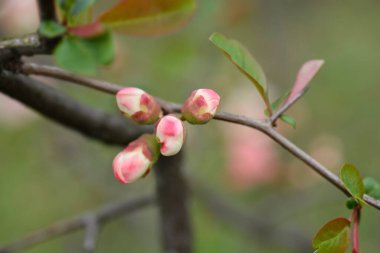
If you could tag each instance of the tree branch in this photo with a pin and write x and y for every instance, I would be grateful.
(102, 215)
(172, 198)
(261, 125)
(94, 123)
(47, 10)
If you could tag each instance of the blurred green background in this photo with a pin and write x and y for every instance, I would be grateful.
(49, 173)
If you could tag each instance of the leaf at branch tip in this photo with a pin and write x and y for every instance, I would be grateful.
(148, 17)
(353, 181)
(87, 31)
(80, 5)
(242, 59)
(51, 29)
(289, 120)
(372, 187)
(308, 70)
(333, 237)
(84, 55)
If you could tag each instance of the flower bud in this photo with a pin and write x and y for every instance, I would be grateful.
(170, 134)
(138, 105)
(136, 160)
(201, 106)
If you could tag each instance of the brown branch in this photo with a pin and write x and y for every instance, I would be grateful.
(172, 198)
(102, 215)
(94, 123)
(261, 125)
(284, 108)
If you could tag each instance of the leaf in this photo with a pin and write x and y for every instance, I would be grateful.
(242, 59)
(148, 17)
(351, 203)
(80, 5)
(87, 31)
(306, 73)
(333, 237)
(51, 29)
(276, 104)
(84, 55)
(353, 181)
(375, 193)
(369, 184)
(289, 120)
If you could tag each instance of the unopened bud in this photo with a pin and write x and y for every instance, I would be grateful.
(138, 105)
(170, 134)
(201, 106)
(136, 160)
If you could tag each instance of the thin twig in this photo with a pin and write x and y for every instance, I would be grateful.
(55, 105)
(261, 125)
(102, 215)
(284, 108)
(29, 40)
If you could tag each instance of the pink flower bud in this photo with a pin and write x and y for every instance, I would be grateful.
(201, 106)
(138, 105)
(136, 160)
(170, 134)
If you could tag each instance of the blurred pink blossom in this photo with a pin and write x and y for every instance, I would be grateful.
(251, 156)
(14, 114)
(18, 16)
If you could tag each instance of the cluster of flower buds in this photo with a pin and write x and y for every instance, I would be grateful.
(137, 159)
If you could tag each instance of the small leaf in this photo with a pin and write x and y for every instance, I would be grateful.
(87, 31)
(333, 237)
(148, 17)
(305, 75)
(353, 181)
(369, 184)
(51, 29)
(80, 5)
(84, 55)
(351, 203)
(289, 120)
(242, 59)
(375, 193)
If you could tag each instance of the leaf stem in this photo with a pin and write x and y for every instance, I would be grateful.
(355, 229)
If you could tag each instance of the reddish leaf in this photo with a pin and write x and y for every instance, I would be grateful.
(333, 237)
(148, 17)
(87, 31)
(308, 70)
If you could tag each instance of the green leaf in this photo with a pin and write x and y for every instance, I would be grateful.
(289, 120)
(65, 5)
(353, 181)
(351, 203)
(242, 59)
(84, 55)
(375, 193)
(80, 5)
(148, 17)
(369, 184)
(333, 237)
(51, 29)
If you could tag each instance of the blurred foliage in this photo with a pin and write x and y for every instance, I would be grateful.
(50, 173)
